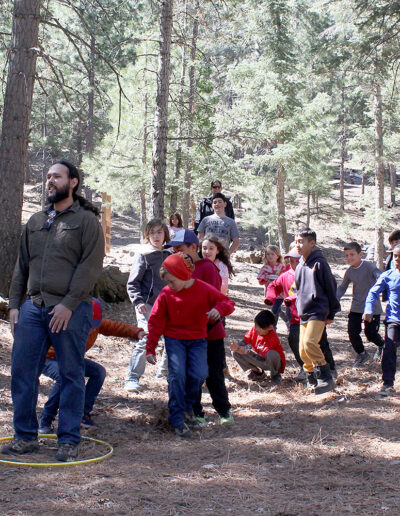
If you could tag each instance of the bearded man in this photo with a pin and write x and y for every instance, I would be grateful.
(60, 258)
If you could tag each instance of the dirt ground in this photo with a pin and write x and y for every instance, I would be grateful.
(288, 452)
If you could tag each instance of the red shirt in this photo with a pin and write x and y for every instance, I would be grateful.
(183, 314)
(263, 344)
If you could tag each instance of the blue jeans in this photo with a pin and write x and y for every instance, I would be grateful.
(32, 339)
(137, 363)
(187, 365)
(94, 371)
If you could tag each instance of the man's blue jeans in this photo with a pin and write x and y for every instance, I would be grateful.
(94, 371)
(32, 339)
(188, 369)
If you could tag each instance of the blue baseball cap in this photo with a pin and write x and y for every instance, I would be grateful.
(184, 236)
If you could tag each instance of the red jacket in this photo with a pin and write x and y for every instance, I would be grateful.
(206, 270)
(108, 328)
(263, 344)
(183, 314)
(285, 284)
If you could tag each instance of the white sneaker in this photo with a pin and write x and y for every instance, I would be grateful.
(132, 386)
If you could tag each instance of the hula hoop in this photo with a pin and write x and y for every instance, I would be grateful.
(60, 464)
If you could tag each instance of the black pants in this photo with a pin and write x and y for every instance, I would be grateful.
(293, 338)
(215, 381)
(371, 331)
(389, 355)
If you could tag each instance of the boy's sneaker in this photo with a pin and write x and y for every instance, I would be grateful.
(45, 429)
(256, 376)
(87, 421)
(311, 380)
(378, 354)
(19, 447)
(387, 390)
(192, 420)
(67, 452)
(301, 376)
(277, 378)
(226, 419)
(361, 358)
(202, 421)
(182, 431)
(132, 386)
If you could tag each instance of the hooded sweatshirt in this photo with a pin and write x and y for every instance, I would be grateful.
(316, 289)
(144, 283)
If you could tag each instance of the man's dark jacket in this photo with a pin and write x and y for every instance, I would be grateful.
(205, 209)
(316, 289)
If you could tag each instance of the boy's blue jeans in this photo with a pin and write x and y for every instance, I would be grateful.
(32, 338)
(94, 371)
(188, 369)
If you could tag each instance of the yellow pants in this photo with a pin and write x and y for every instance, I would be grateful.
(310, 350)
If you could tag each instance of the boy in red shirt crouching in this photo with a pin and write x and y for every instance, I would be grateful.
(181, 313)
(261, 349)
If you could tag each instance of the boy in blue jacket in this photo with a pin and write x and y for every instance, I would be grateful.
(389, 282)
(317, 305)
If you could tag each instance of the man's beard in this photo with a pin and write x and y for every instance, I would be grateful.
(59, 195)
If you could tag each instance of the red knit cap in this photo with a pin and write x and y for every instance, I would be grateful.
(179, 265)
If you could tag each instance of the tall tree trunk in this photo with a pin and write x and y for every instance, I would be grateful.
(379, 175)
(15, 128)
(393, 183)
(191, 108)
(161, 112)
(143, 213)
(342, 152)
(308, 208)
(280, 204)
(44, 164)
(173, 205)
(89, 148)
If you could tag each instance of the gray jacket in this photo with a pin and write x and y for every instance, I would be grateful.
(144, 283)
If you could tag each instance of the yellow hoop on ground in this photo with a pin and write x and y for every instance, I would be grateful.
(59, 464)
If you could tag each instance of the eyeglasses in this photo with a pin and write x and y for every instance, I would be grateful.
(216, 186)
(49, 221)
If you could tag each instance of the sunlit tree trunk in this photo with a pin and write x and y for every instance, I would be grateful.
(379, 176)
(280, 204)
(161, 112)
(15, 128)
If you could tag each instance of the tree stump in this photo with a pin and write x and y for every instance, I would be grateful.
(111, 286)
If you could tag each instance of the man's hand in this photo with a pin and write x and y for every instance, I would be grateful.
(151, 359)
(213, 314)
(368, 317)
(61, 316)
(142, 309)
(14, 313)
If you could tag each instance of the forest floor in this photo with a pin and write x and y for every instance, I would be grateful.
(288, 453)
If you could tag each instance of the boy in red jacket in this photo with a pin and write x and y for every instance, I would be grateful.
(181, 313)
(261, 349)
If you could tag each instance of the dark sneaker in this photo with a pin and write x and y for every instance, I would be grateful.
(182, 431)
(387, 390)
(226, 419)
(67, 452)
(277, 378)
(378, 354)
(361, 358)
(19, 447)
(192, 421)
(87, 421)
(311, 380)
(256, 376)
(325, 382)
(45, 429)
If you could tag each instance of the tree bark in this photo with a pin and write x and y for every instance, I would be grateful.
(15, 128)
(342, 152)
(280, 204)
(187, 184)
(143, 213)
(161, 112)
(379, 175)
(89, 148)
(393, 183)
(308, 208)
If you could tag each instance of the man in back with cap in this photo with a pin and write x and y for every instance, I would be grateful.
(205, 207)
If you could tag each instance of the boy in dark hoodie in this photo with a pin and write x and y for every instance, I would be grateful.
(317, 305)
